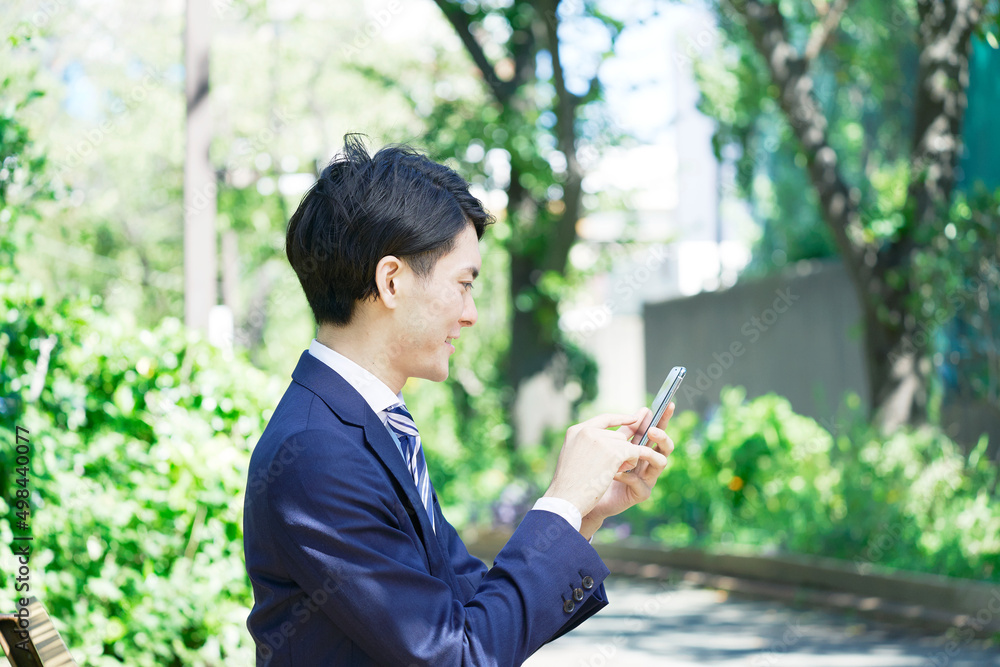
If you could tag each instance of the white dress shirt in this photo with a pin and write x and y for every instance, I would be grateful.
(379, 397)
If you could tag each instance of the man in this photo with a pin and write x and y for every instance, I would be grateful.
(351, 560)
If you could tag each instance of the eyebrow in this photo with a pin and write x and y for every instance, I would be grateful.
(474, 270)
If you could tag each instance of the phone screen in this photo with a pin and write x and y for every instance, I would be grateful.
(667, 389)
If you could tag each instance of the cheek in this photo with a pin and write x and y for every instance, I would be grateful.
(445, 303)
(431, 318)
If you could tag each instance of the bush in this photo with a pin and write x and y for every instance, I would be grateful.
(140, 442)
(757, 476)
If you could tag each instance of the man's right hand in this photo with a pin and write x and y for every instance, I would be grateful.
(591, 456)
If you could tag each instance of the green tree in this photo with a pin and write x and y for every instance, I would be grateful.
(138, 443)
(23, 184)
(542, 117)
(868, 101)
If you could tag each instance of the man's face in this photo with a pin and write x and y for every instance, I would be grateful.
(436, 309)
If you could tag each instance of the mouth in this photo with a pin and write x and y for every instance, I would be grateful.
(448, 342)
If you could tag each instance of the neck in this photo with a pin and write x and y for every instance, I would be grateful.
(364, 344)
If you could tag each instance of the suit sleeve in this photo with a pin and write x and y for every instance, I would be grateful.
(470, 571)
(337, 520)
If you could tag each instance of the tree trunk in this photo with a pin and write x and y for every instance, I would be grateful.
(534, 356)
(200, 191)
(530, 348)
(895, 339)
(897, 381)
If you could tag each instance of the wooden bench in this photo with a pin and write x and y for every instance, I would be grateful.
(43, 647)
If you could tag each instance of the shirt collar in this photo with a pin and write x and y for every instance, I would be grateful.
(375, 392)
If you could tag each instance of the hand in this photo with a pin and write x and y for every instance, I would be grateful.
(633, 485)
(592, 457)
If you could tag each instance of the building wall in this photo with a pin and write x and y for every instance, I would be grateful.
(797, 334)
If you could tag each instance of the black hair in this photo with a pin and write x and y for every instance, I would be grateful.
(362, 208)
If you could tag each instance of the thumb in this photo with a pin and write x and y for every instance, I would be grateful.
(633, 453)
(643, 418)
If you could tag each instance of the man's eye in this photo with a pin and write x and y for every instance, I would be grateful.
(467, 286)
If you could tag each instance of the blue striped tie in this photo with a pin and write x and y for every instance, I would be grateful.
(400, 421)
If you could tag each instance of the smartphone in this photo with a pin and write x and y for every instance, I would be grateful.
(667, 389)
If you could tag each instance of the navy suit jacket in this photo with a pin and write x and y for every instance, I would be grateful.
(346, 569)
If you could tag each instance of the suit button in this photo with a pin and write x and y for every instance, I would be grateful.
(577, 594)
(569, 606)
(588, 583)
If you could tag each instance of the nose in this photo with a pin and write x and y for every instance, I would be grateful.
(469, 312)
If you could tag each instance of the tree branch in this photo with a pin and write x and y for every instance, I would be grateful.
(809, 124)
(565, 107)
(524, 59)
(943, 34)
(823, 30)
(502, 90)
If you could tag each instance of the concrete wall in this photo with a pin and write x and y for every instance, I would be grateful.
(797, 334)
(617, 348)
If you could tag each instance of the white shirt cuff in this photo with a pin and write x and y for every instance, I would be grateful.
(563, 508)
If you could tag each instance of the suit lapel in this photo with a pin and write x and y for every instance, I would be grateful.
(351, 407)
(387, 451)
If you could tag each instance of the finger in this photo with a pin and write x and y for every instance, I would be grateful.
(649, 461)
(650, 469)
(609, 420)
(635, 481)
(667, 447)
(667, 414)
(656, 460)
(657, 436)
(632, 454)
(643, 417)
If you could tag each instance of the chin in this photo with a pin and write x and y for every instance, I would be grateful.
(433, 374)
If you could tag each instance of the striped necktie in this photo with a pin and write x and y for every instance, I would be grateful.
(401, 423)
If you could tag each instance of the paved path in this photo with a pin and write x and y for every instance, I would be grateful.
(675, 625)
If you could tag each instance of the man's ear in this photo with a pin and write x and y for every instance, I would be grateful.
(388, 272)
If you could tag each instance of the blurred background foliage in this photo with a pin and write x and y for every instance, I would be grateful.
(141, 431)
(758, 478)
(860, 64)
(140, 440)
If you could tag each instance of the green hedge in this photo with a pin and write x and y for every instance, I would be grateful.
(140, 442)
(759, 477)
